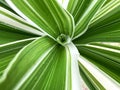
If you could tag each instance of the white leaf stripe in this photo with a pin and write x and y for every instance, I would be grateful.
(105, 10)
(104, 79)
(32, 69)
(17, 56)
(93, 83)
(64, 3)
(104, 48)
(14, 16)
(14, 45)
(29, 39)
(65, 19)
(24, 16)
(57, 18)
(9, 50)
(50, 74)
(76, 80)
(107, 61)
(72, 73)
(21, 14)
(38, 69)
(84, 21)
(114, 44)
(44, 68)
(109, 55)
(17, 22)
(38, 15)
(5, 5)
(87, 11)
(43, 23)
(68, 84)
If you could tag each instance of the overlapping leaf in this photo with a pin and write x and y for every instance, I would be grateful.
(105, 56)
(47, 15)
(83, 11)
(105, 27)
(13, 28)
(9, 50)
(5, 5)
(43, 64)
(89, 79)
(98, 78)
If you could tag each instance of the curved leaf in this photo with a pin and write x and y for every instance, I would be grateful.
(17, 22)
(105, 56)
(101, 80)
(5, 5)
(43, 64)
(105, 27)
(89, 79)
(9, 50)
(47, 15)
(13, 27)
(107, 15)
(83, 11)
(107, 1)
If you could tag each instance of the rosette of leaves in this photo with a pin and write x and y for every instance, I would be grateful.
(59, 45)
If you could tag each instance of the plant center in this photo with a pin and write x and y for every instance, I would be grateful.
(63, 39)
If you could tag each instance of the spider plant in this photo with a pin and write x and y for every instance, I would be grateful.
(59, 44)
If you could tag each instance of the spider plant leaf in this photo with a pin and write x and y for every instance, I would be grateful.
(100, 79)
(83, 11)
(47, 15)
(63, 3)
(104, 55)
(5, 5)
(109, 14)
(9, 50)
(43, 64)
(107, 1)
(105, 27)
(17, 22)
(89, 79)
(13, 28)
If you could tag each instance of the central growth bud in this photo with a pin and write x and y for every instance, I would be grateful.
(63, 39)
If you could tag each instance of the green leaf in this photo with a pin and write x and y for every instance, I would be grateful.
(5, 5)
(63, 3)
(13, 28)
(9, 50)
(43, 64)
(107, 15)
(86, 80)
(105, 27)
(100, 79)
(52, 61)
(83, 11)
(89, 79)
(105, 56)
(107, 1)
(47, 15)
(7, 35)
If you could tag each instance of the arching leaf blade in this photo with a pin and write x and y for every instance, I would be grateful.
(43, 64)
(53, 20)
(9, 50)
(105, 56)
(102, 80)
(105, 27)
(83, 11)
